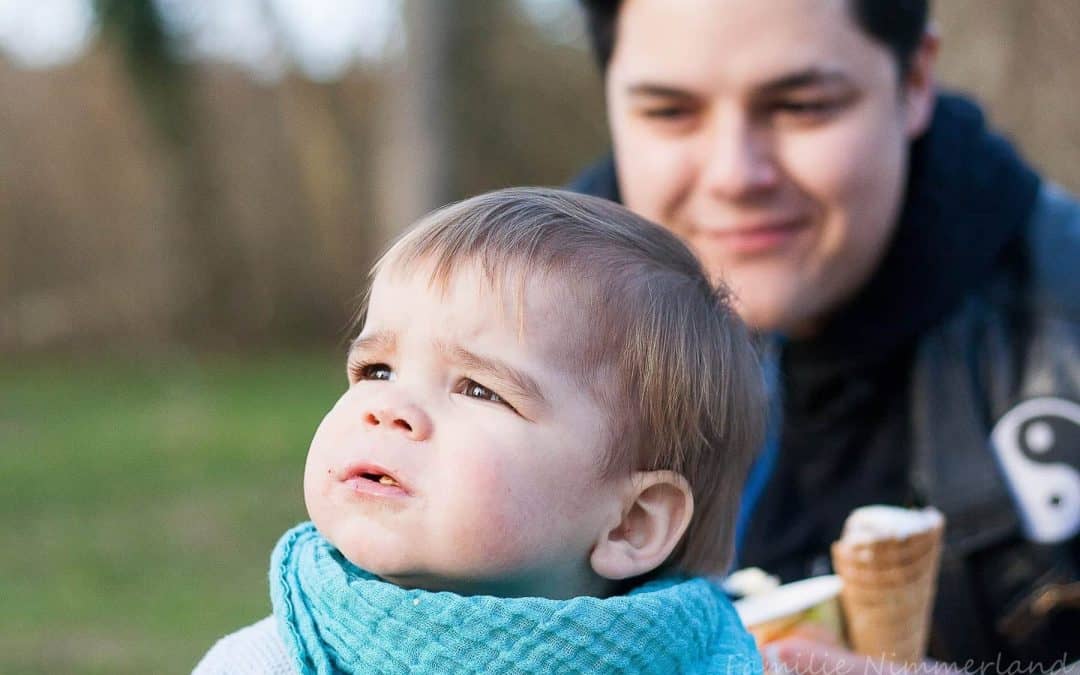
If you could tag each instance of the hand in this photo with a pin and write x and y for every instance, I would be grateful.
(807, 656)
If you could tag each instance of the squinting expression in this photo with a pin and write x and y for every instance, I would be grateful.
(772, 136)
(464, 455)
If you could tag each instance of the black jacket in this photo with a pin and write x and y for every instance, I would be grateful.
(930, 386)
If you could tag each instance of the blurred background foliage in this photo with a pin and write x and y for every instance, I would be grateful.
(191, 193)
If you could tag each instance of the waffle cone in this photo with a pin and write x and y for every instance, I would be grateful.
(888, 593)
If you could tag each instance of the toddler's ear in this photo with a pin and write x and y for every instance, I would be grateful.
(657, 515)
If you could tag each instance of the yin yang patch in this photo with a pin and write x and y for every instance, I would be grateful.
(1037, 444)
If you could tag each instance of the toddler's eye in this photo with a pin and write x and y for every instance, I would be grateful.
(371, 371)
(474, 389)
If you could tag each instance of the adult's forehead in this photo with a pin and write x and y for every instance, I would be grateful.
(706, 42)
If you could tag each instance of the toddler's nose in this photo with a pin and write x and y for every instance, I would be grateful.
(406, 418)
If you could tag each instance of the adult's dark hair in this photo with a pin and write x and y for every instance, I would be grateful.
(896, 24)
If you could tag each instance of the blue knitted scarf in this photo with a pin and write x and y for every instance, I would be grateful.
(337, 618)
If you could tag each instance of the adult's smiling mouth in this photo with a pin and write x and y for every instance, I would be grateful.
(754, 238)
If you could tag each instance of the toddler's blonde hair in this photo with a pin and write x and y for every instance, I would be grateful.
(659, 346)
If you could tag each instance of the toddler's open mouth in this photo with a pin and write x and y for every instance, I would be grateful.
(381, 479)
(372, 479)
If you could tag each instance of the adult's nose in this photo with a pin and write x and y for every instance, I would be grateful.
(739, 160)
(400, 417)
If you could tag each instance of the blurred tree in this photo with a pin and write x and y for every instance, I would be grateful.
(416, 116)
(327, 135)
(477, 105)
(151, 195)
(164, 86)
(136, 28)
(536, 108)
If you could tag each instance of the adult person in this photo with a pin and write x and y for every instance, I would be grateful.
(913, 278)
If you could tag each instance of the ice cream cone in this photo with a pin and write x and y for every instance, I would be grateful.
(889, 585)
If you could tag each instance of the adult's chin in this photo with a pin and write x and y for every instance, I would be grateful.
(772, 303)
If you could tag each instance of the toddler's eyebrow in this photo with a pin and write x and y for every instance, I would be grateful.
(380, 341)
(522, 383)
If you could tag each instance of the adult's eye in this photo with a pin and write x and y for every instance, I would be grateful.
(670, 118)
(666, 113)
(810, 109)
(805, 107)
(371, 371)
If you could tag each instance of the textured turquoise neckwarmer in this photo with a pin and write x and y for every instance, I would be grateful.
(337, 618)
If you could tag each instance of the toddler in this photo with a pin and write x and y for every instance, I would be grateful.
(536, 464)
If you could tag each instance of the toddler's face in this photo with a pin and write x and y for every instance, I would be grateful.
(465, 455)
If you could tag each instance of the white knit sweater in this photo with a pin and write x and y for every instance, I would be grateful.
(254, 650)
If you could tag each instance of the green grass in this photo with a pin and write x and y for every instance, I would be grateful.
(141, 500)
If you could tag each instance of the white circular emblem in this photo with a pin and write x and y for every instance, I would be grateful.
(1039, 437)
(1037, 444)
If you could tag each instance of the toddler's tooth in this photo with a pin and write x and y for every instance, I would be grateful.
(387, 480)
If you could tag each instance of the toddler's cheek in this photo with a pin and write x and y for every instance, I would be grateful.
(490, 525)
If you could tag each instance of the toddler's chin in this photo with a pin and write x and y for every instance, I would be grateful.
(359, 553)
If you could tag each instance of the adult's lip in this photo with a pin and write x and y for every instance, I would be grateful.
(756, 237)
(371, 478)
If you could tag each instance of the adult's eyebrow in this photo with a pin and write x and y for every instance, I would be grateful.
(521, 383)
(380, 341)
(809, 77)
(655, 90)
